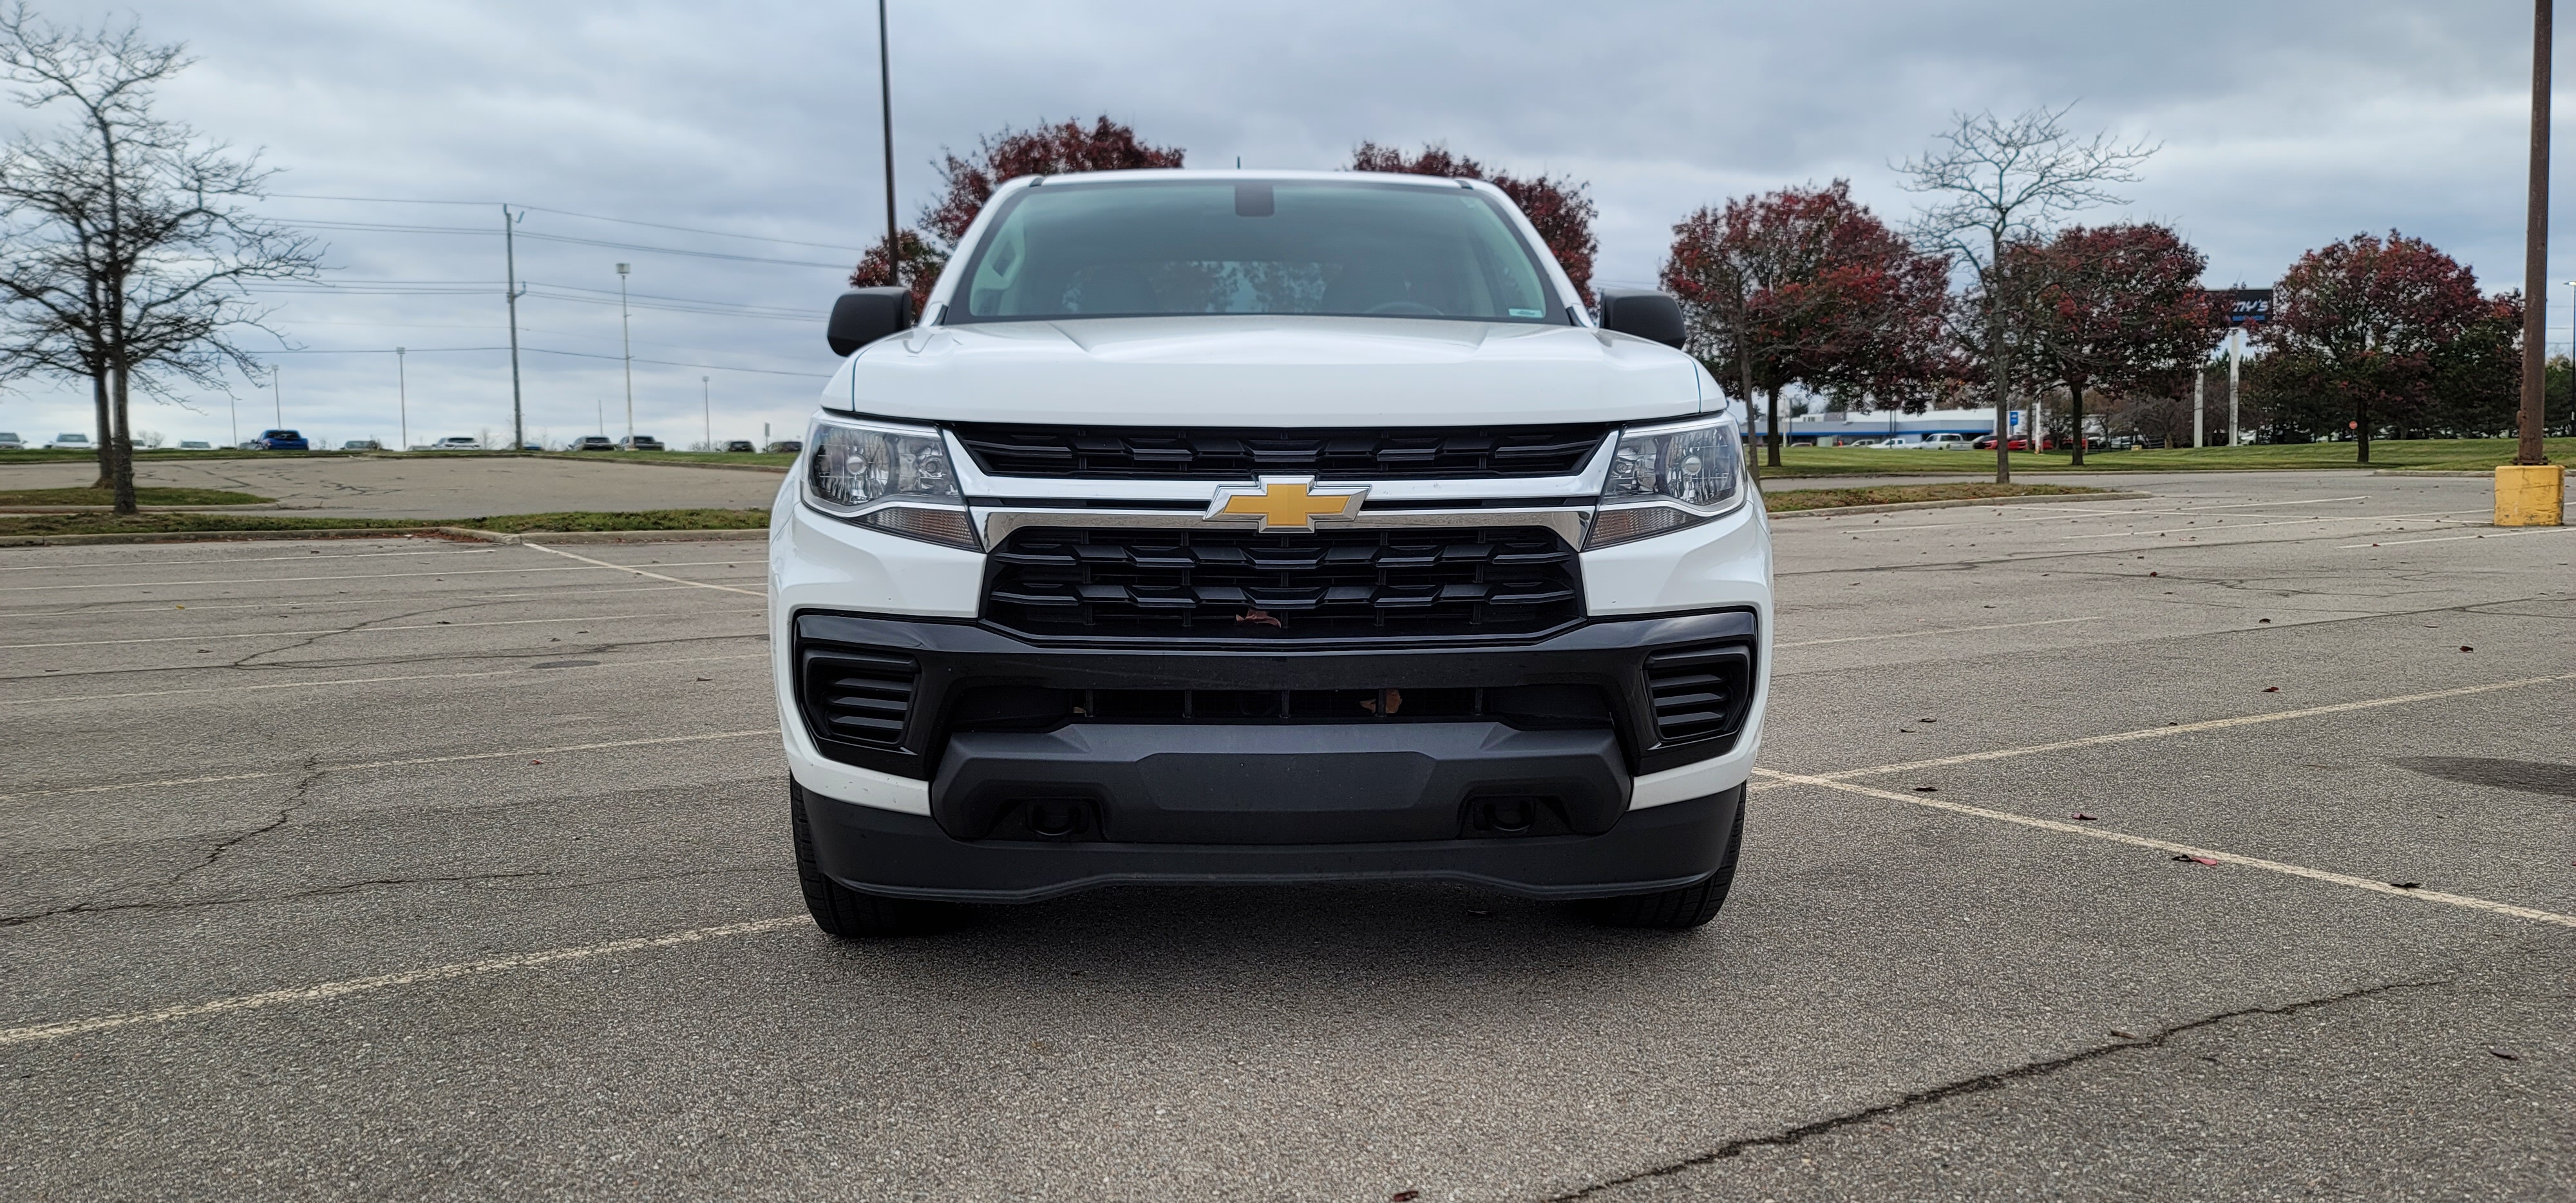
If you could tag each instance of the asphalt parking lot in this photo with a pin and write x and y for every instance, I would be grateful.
(405, 868)
(462, 486)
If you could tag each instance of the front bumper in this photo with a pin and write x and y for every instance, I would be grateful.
(908, 856)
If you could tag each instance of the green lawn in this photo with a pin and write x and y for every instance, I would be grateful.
(86, 495)
(680, 457)
(1786, 500)
(103, 524)
(2450, 454)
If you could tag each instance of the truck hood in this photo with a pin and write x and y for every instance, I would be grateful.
(1276, 371)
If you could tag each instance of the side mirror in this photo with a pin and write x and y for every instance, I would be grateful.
(1653, 316)
(864, 315)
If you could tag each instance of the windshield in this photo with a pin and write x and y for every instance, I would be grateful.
(1154, 248)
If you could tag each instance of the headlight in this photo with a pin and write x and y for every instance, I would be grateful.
(893, 478)
(1664, 478)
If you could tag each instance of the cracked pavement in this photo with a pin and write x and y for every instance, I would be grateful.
(1898, 1001)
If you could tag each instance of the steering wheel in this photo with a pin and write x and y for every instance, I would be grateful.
(1408, 308)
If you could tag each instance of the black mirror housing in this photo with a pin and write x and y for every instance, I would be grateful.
(864, 315)
(1650, 315)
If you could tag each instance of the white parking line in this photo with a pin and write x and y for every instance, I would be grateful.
(2556, 530)
(326, 991)
(338, 681)
(308, 558)
(762, 593)
(1999, 626)
(391, 764)
(2222, 857)
(468, 599)
(425, 626)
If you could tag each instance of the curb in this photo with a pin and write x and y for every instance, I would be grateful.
(241, 508)
(1953, 503)
(223, 536)
(2486, 475)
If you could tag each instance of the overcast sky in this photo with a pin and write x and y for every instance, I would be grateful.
(2285, 125)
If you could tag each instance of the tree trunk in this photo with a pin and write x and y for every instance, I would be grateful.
(1744, 373)
(2361, 425)
(1772, 437)
(2075, 413)
(1995, 357)
(123, 455)
(106, 443)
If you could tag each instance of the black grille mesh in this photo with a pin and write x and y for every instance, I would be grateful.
(859, 697)
(1128, 453)
(1231, 584)
(1699, 693)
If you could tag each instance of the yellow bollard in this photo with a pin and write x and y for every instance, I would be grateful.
(2530, 495)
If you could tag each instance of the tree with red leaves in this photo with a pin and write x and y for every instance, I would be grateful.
(1556, 206)
(2119, 306)
(2366, 322)
(972, 179)
(1807, 286)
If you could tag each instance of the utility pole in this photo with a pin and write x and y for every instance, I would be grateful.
(2199, 405)
(402, 400)
(277, 390)
(510, 289)
(626, 342)
(2535, 249)
(707, 398)
(885, 104)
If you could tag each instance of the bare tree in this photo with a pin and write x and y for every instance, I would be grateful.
(125, 240)
(1994, 181)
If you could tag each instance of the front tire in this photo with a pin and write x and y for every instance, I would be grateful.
(1677, 909)
(855, 914)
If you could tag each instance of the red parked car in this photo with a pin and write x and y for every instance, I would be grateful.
(1987, 443)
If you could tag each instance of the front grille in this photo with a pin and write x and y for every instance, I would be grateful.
(858, 697)
(1129, 453)
(1037, 708)
(1699, 693)
(1234, 584)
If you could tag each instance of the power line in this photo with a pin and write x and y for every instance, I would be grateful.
(469, 231)
(391, 200)
(668, 363)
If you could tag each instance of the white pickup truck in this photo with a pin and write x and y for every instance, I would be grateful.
(1253, 526)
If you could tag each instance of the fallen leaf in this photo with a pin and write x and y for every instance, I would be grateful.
(2509, 1056)
(2262, 620)
(2124, 1035)
(2197, 860)
(1257, 618)
(1406, 1196)
(2271, 689)
(2151, 574)
(2081, 815)
(536, 762)
(1927, 789)
(2407, 885)
(2464, 647)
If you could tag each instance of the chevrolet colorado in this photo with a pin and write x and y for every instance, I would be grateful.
(1256, 526)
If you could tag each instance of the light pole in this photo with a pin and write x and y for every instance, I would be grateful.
(277, 390)
(885, 101)
(625, 341)
(402, 399)
(707, 399)
(511, 292)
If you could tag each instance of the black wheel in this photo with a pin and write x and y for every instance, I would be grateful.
(1676, 909)
(853, 914)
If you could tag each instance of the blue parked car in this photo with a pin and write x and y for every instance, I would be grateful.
(282, 440)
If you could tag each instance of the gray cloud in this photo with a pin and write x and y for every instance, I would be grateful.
(2284, 126)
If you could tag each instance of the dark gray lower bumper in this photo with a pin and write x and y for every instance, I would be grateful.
(1336, 783)
(888, 852)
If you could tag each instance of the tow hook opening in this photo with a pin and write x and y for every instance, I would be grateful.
(1513, 817)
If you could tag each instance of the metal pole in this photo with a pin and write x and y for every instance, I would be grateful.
(626, 342)
(402, 399)
(885, 103)
(510, 289)
(2235, 365)
(277, 390)
(2535, 249)
(706, 398)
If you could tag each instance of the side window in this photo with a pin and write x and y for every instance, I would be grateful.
(999, 271)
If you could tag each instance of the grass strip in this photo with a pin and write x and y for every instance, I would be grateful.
(110, 524)
(86, 495)
(2454, 455)
(1788, 500)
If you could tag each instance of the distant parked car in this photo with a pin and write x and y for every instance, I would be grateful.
(787, 447)
(195, 445)
(9, 441)
(1903, 442)
(454, 442)
(1987, 443)
(594, 442)
(362, 445)
(1946, 442)
(68, 441)
(639, 442)
(282, 440)
(739, 445)
(2066, 442)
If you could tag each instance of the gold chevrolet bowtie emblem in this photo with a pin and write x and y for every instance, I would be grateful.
(1285, 503)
